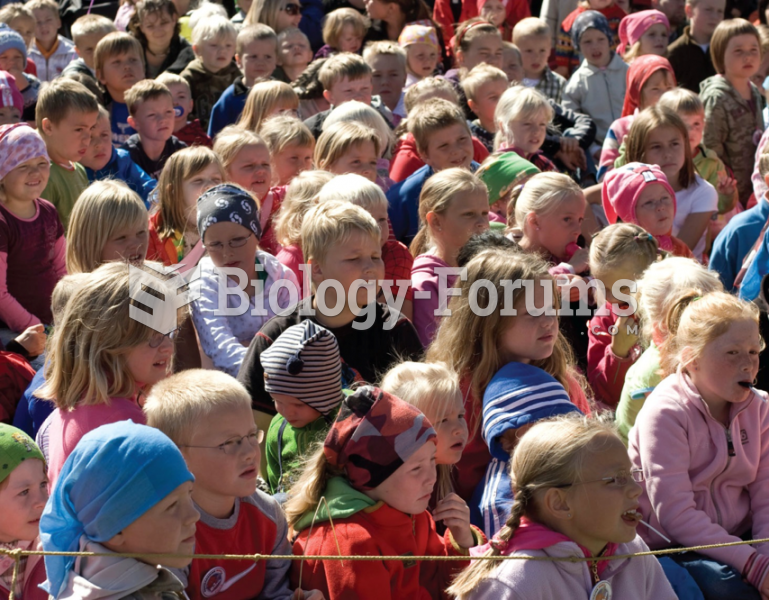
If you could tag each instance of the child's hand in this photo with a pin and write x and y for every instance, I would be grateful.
(580, 260)
(455, 514)
(569, 144)
(566, 281)
(308, 595)
(623, 342)
(726, 185)
(32, 340)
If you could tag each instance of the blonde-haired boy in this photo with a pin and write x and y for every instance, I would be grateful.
(341, 244)
(208, 415)
(533, 39)
(294, 54)
(483, 87)
(87, 32)
(213, 69)
(50, 51)
(388, 68)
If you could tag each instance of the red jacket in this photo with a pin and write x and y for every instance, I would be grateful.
(160, 250)
(192, 134)
(406, 159)
(378, 530)
(444, 16)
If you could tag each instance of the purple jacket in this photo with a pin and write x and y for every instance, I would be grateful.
(426, 284)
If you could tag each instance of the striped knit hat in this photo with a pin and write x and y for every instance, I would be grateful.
(304, 362)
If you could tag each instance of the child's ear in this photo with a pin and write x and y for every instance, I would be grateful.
(766, 179)
(532, 221)
(316, 271)
(237, 61)
(433, 220)
(327, 96)
(195, 50)
(132, 121)
(471, 104)
(688, 11)
(555, 504)
(460, 58)
(116, 541)
(46, 126)
(99, 77)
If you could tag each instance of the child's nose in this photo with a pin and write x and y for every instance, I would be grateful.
(635, 489)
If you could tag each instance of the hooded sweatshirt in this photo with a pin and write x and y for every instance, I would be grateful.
(704, 483)
(426, 284)
(363, 526)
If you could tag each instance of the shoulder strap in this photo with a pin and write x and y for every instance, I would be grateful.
(280, 455)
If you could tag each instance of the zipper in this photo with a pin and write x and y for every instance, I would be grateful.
(730, 454)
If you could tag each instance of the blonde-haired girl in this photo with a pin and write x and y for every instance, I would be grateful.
(301, 196)
(660, 285)
(343, 31)
(699, 441)
(267, 99)
(562, 469)
(291, 146)
(349, 147)
(619, 255)
(109, 223)
(173, 230)
(476, 344)
(246, 160)
(453, 206)
(100, 358)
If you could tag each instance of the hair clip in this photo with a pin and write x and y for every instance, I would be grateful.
(499, 544)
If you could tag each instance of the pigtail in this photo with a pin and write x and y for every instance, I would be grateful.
(669, 349)
(306, 493)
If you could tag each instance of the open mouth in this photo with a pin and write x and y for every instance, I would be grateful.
(161, 364)
(458, 446)
(249, 473)
(135, 258)
(746, 384)
(632, 516)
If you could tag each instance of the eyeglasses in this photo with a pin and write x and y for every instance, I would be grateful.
(237, 242)
(292, 9)
(234, 446)
(655, 204)
(620, 480)
(157, 337)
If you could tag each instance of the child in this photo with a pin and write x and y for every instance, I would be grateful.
(294, 54)
(276, 14)
(379, 456)
(512, 62)
(87, 32)
(13, 58)
(19, 18)
(103, 161)
(476, 41)
(303, 376)
(658, 290)
(229, 216)
(443, 141)
(648, 78)
(119, 63)
(619, 253)
(501, 174)
(644, 32)
(343, 31)
(109, 224)
(483, 87)
(453, 206)
(522, 116)
(690, 53)
(532, 38)
(208, 416)
(173, 229)
(291, 147)
(23, 493)
(733, 118)
(348, 147)
(97, 367)
(388, 75)
(658, 136)
(187, 131)
(154, 24)
(50, 51)
(213, 69)
(597, 87)
(564, 468)
(423, 53)
(641, 194)
(32, 245)
(267, 99)
(708, 402)
(84, 514)
(566, 55)
(340, 241)
(256, 48)
(151, 114)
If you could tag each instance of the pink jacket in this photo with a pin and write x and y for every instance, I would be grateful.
(426, 284)
(704, 483)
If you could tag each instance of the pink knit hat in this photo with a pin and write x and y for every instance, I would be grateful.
(634, 25)
(9, 92)
(18, 144)
(623, 186)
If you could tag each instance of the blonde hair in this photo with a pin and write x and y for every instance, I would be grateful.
(430, 117)
(530, 27)
(103, 209)
(384, 48)
(551, 454)
(336, 20)
(185, 401)
(355, 189)
(694, 321)
(305, 494)
(254, 33)
(205, 10)
(518, 102)
(263, 99)
(10, 12)
(332, 223)
(429, 87)
(214, 28)
(438, 194)
(426, 386)
(114, 44)
(469, 30)
(87, 354)
(59, 98)
(181, 166)
(264, 11)
(168, 79)
(541, 195)
(682, 101)
(231, 140)
(339, 66)
(283, 131)
(365, 115)
(300, 197)
(479, 75)
(64, 290)
(337, 140)
(90, 25)
(622, 244)
(45, 5)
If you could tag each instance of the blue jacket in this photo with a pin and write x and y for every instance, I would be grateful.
(121, 167)
(311, 24)
(32, 411)
(227, 109)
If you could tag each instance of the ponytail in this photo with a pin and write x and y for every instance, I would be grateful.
(670, 323)
(306, 493)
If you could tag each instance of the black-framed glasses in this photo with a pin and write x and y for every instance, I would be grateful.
(292, 9)
(233, 446)
(157, 337)
(620, 480)
(237, 242)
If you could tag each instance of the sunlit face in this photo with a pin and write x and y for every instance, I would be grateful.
(182, 99)
(705, 16)
(529, 132)
(12, 60)
(289, 15)
(486, 99)
(347, 89)
(531, 336)
(251, 170)
(216, 54)
(655, 209)
(484, 49)
(465, 216)
(158, 28)
(594, 46)
(100, 149)
(655, 40)
(47, 25)
(258, 60)
(360, 159)
(695, 125)
(559, 228)
(349, 40)
(294, 51)
(154, 118)
(451, 426)
(535, 51)
(121, 71)
(218, 243)
(422, 59)
(388, 78)
(26, 182)
(72, 135)
(449, 147)
(494, 11)
(377, 9)
(128, 244)
(148, 365)
(194, 187)
(742, 56)
(289, 162)
(511, 65)
(85, 45)
(292, 409)
(23, 496)
(25, 27)
(660, 82)
(9, 115)
(410, 487)
(665, 148)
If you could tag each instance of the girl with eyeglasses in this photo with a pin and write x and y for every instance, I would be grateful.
(576, 496)
(277, 14)
(257, 285)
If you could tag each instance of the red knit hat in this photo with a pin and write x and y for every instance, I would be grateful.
(638, 74)
(622, 187)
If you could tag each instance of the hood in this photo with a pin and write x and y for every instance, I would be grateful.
(426, 263)
(343, 502)
(717, 83)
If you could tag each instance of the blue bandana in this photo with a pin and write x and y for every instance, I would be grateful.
(227, 203)
(590, 19)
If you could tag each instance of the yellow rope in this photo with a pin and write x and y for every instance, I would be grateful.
(16, 565)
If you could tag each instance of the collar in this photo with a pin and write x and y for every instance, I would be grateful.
(50, 52)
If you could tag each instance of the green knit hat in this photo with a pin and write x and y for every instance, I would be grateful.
(15, 447)
(503, 172)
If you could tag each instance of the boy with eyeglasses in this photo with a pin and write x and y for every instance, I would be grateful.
(207, 414)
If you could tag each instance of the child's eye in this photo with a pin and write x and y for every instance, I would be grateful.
(23, 493)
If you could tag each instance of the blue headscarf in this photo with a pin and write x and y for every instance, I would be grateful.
(115, 474)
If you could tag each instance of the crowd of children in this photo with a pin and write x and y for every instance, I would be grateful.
(394, 278)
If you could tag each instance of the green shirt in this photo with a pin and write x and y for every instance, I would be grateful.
(641, 378)
(64, 188)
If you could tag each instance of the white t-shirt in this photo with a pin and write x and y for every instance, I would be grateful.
(697, 198)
